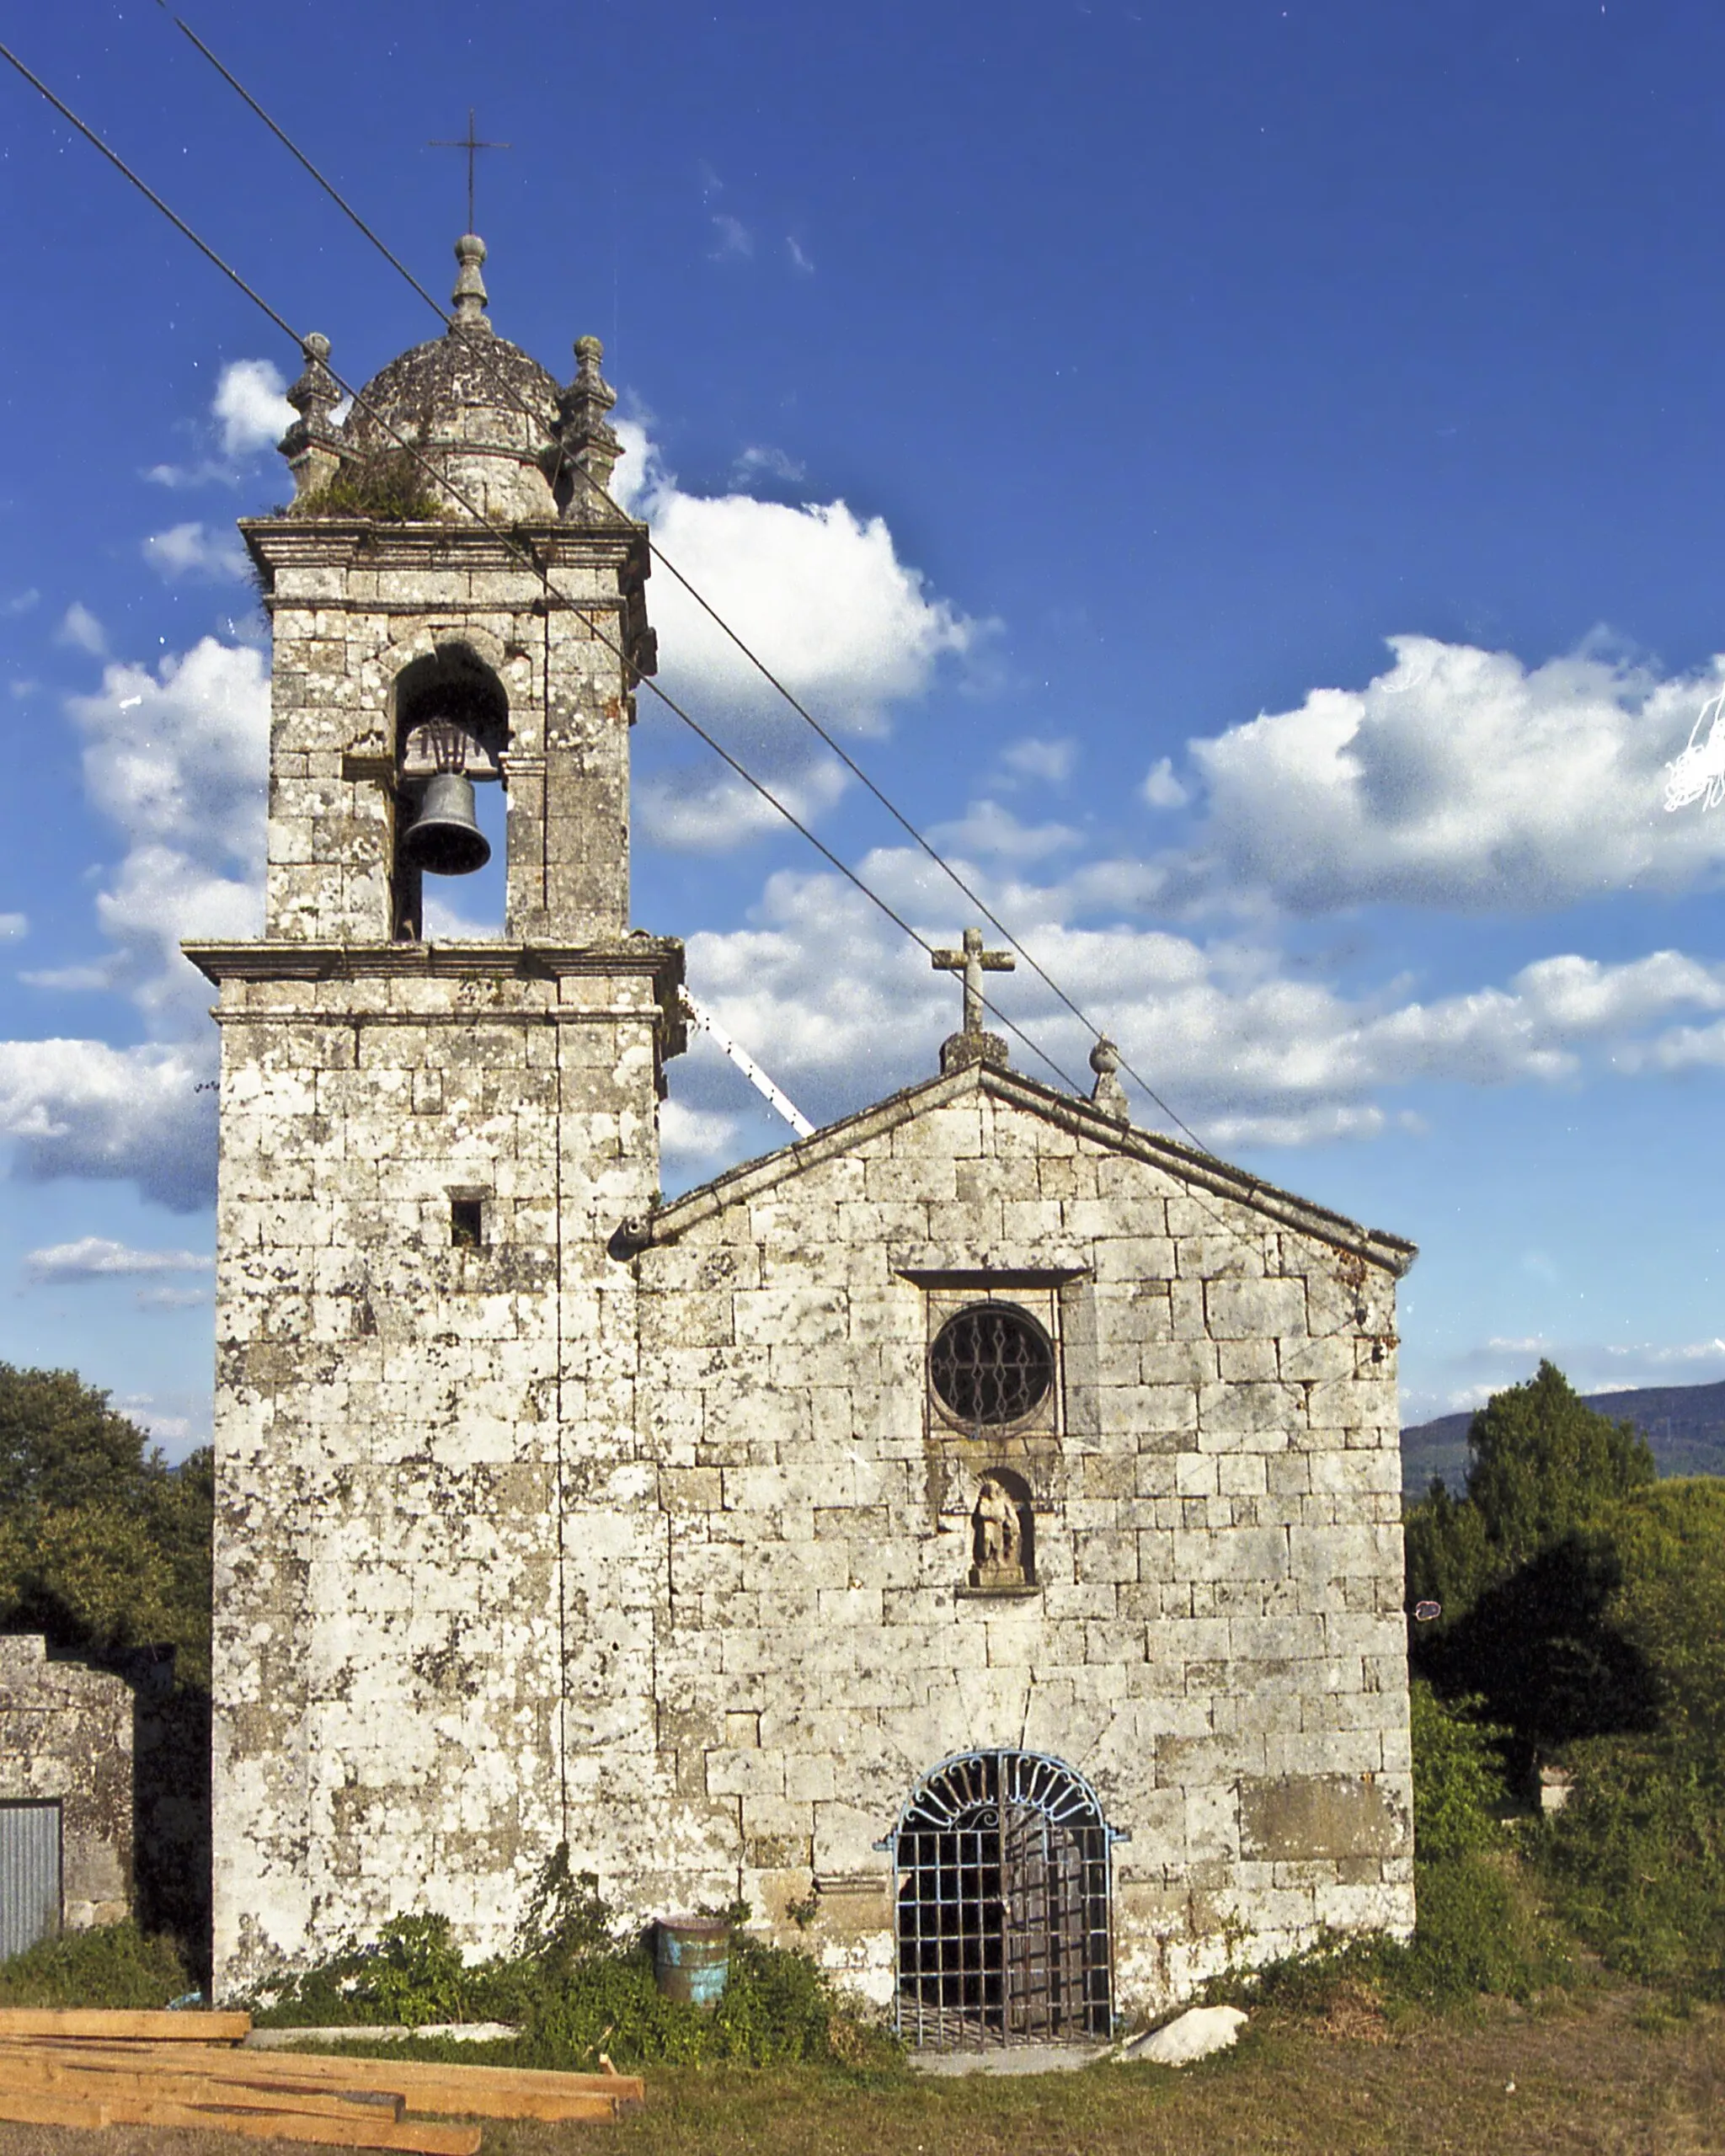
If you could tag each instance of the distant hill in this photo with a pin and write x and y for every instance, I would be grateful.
(1683, 1423)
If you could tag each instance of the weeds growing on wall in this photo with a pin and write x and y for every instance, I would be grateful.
(389, 489)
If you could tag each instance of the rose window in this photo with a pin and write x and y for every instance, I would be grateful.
(991, 1364)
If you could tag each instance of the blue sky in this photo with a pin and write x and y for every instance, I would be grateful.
(1245, 477)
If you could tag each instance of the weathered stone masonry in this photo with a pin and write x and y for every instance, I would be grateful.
(550, 1512)
(65, 1738)
(1218, 1642)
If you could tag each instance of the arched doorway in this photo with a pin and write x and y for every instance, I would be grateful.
(1004, 1934)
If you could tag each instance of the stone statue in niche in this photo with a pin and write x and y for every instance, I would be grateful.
(999, 1536)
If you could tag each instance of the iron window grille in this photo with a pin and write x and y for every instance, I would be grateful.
(1004, 1928)
(991, 1365)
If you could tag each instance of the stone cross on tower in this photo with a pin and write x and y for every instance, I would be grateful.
(972, 1045)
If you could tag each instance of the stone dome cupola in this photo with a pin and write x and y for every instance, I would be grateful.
(497, 432)
(480, 411)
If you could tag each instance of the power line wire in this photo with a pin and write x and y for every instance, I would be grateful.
(414, 451)
(666, 563)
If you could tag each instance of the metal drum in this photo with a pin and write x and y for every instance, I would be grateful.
(691, 1958)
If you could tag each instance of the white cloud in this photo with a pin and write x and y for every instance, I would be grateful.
(176, 760)
(171, 1298)
(819, 593)
(1592, 1366)
(1161, 789)
(98, 1257)
(21, 601)
(693, 1136)
(251, 415)
(191, 550)
(12, 925)
(73, 980)
(251, 408)
(79, 1107)
(761, 460)
(992, 832)
(799, 260)
(1247, 1053)
(1047, 763)
(177, 1423)
(733, 241)
(707, 808)
(80, 629)
(1462, 779)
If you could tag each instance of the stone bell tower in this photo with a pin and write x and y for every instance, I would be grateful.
(424, 1423)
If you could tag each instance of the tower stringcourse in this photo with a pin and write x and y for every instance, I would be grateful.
(425, 1144)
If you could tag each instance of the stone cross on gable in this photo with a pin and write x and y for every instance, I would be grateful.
(972, 962)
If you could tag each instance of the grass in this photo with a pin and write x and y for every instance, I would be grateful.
(1612, 2074)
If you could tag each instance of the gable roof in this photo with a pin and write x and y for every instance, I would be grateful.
(1186, 1164)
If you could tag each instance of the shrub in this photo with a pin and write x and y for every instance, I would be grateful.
(576, 1987)
(777, 2009)
(414, 1974)
(1636, 1861)
(1458, 1774)
(113, 1965)
(1478, 1929)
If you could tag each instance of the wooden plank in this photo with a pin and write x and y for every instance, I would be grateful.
(95, 2085)
(421, 2136)
(112, 2024)
(625, 2087)
(347, 2071)
(471, 2091)
(30, 2107)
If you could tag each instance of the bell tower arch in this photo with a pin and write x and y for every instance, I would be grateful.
(425, 1369)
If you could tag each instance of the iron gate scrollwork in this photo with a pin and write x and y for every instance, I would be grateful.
(1004, 1914)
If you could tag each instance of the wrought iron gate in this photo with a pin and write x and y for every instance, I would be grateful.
(29, 1875)
(1002, 1860)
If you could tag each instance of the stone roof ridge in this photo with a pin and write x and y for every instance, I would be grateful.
(750, 1178)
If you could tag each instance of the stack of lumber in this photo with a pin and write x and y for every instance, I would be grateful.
(84, 2067)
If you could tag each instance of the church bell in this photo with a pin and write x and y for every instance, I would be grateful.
(445, 838)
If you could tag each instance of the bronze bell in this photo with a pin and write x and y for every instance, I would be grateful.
(445, 838)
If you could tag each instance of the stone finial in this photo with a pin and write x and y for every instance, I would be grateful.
(313, 444)
(470, 294)
(588, 448)
(1108, 1095)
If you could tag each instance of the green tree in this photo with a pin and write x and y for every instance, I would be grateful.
(104, 1546)
(1451, 1559)
(1544, 1464)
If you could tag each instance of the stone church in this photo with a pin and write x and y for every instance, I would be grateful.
(971, 1534)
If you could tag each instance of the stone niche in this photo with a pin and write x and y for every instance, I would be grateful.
(65, 1743)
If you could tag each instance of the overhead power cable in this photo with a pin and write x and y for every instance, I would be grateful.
(529, 556)
(508, 390)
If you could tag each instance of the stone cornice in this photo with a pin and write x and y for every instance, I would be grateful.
(659, 959)
(1200, 1170)
(278, 542)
